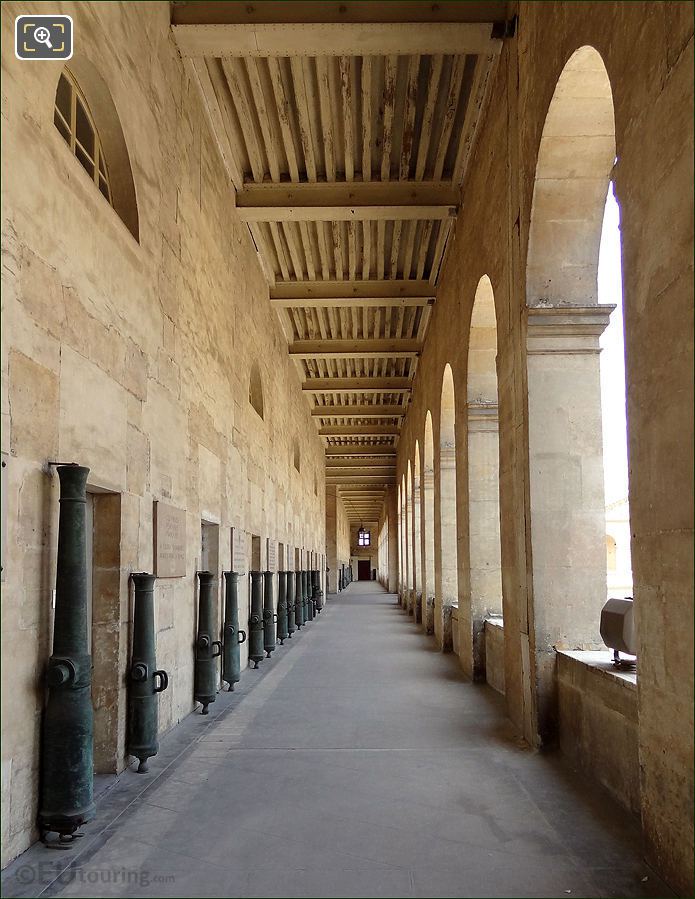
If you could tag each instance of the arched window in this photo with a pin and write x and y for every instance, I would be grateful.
(483, 483)
(256, 390)
(86, 118)
(611, 553)
(448, 549)
(428, 527)
(409, 536)
(417, 534)
(565, 322)
(296, 458)
(73, 119)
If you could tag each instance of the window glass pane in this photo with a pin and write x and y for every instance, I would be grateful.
(104, 188)
(84, 131)
(63, 97)
(61, 126)
(86, 161)
(102, 166)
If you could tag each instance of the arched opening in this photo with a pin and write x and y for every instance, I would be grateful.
(403, 570)
(86, 117)
(409, 538)
(564, 325)
(399, 520)
(428, 527)
(256, 389)
(483, 483)
(613, 403)
(417, 531)
(447, 595)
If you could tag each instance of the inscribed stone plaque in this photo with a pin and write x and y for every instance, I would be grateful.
(169, 541)
(239, 550)
(272, 555)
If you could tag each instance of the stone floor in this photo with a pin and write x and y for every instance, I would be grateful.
(355, 762)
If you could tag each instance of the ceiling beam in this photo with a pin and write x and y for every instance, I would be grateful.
(361, 451)
(391, 289)
(355, 349)
(345, 213)
(336, 302)
(216, 116)
(350, 194)
(230, 12)
(336, 39)
(348, 464)
(361, 411)
(359, 431)
(365, 481)
(359, 491)
(357, 385)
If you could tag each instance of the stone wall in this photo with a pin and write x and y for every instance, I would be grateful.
(648, 53)
(132, 358)
(598, 722)
(337, 536)
(494, 654)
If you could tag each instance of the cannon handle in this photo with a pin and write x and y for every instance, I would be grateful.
(163, 680)
(242, 636)
(218, 644)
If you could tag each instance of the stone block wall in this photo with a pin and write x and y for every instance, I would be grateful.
(132, 358)
(598, 722)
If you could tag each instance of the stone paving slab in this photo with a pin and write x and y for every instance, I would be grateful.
(356, 761)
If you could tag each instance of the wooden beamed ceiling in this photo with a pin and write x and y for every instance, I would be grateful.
(346, 130)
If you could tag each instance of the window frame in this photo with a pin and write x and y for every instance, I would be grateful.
(99, 162)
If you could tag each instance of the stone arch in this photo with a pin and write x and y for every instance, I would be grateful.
(564, 324)
(417, 533)
(447, 595)
(483, 482)
(427, 482)
(403, 570)
(256, 390)
(409, 536)
(575, 160)
(108, 125)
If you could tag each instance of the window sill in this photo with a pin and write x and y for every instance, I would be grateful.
(601, 661)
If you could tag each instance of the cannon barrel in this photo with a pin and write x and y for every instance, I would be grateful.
(283, 633)
(232, 636)
(206, 649)
(146, 680)
(256, 649)
(269, 615)
(298, 601)
(290, 603)
(67, 746)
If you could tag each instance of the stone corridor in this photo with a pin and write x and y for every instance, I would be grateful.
(360, 763)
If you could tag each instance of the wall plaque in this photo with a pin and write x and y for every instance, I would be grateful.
(169, 541)
(239, 550)
(272, 555)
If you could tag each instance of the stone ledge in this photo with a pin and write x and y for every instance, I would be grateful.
(601, 662)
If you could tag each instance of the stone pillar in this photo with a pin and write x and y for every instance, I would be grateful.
(417, 554)
(567, 504)
(483, 536)
(448, 592)
(406, 551)
(392, 513)
(332, 540)
(428, 553)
